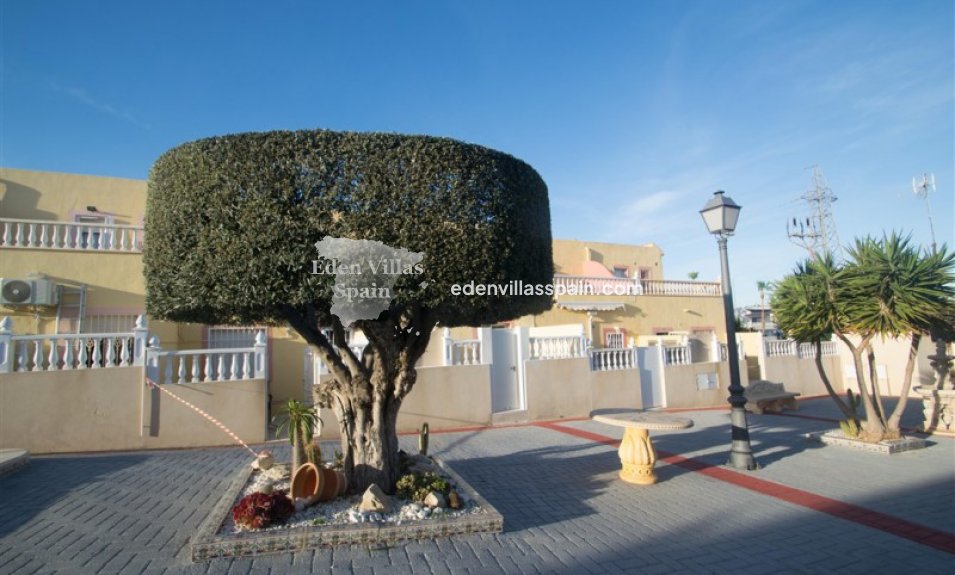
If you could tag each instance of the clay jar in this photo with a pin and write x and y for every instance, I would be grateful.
(313, 483)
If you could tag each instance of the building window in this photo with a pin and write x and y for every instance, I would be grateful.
(644, 274)
(93, 234)
(109, 323)
(614, 339)
(621, 272)
(232, 337)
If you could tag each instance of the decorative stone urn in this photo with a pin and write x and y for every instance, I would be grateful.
(938, 401)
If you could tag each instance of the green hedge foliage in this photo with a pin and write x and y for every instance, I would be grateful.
(231, 223)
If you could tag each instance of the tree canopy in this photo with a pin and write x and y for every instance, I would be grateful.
(241, 229)
(232, 222)
(887, 288)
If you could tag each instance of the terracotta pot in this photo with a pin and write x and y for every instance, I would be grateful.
(312, 482)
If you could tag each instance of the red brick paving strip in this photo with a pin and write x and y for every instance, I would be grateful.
(941, 540)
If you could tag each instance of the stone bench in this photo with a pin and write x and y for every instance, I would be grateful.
(768, 397)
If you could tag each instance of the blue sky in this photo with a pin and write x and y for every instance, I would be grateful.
(634, 112)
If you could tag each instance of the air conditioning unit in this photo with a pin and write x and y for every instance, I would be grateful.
(27, 291)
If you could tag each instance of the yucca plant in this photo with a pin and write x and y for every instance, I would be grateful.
(298, 421)
(888, 288)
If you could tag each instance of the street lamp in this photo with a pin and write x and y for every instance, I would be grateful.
(720, 215)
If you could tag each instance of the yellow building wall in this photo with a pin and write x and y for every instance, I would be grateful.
(53, 196)
(570, 256)
(641, 315)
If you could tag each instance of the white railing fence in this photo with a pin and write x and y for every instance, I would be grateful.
(681, 288)
(206, 365)
(63, 352)
(612, 286)
(791, 348)
(52, 235)
(464, 352)
(677, 355)
(557, 347)
(611, 359)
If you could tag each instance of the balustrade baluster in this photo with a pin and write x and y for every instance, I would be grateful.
(110, 351)
(31, 235)
(97, 353)
(207, 376)
(220, 367)
(234, 367)
(195, 368)
(43, 237)
(84, 354)
(247, 365)
(37, 355)
(167, 372)
(68, 353)
(181, 372)
(54, 357)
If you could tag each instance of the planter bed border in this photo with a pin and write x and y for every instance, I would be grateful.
(207, 544)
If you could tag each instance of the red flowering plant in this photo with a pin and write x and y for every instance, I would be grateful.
(259, 510)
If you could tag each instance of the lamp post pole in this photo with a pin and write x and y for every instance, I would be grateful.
(741, 454)
(720, 215)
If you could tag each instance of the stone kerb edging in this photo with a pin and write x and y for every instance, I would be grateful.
(886, 446)
(207, 545)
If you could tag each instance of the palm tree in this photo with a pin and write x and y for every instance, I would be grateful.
(298, 420)
(888, 288)
(897, 290)
(805, 309)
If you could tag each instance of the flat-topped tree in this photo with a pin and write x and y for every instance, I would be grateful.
(233, 224)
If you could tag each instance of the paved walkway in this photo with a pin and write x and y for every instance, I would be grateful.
(810, 509)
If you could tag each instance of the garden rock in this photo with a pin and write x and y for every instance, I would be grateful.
(435, 499)
(454, 500)
(375, 499)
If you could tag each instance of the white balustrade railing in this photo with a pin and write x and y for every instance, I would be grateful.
(568, 285)
(681, 288)
(612, 359)
(63, 352)
(677, 355)
(206, 365)
(464, 352)
(780, 347)
(557, 347)
(66, 352)
(791, 348)
(52, 235)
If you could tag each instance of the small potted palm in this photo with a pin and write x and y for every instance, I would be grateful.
(299, 420)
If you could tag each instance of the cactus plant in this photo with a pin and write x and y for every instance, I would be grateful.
(423, 439)
(849, 428)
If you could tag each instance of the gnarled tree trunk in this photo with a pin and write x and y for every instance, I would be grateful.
(366, 393)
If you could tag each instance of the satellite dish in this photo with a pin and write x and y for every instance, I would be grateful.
(16, 291)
